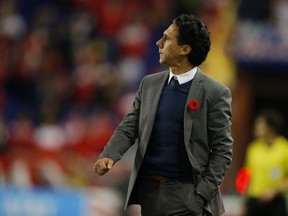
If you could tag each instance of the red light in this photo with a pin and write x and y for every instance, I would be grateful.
(242, 180)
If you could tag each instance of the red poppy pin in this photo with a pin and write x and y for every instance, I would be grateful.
(193, 105)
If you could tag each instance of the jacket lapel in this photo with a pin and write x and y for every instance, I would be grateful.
(154, 101)
(194, 94)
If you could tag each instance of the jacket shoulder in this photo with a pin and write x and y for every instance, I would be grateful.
(156, 75)
(212, 83)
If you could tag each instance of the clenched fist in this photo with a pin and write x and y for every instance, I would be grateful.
(103, 165)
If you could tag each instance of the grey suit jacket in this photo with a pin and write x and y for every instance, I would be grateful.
(207, 133)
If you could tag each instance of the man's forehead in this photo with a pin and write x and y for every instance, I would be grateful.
(171, 29)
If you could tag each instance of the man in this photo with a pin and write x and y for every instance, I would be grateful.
(182, 120)
(267, 160)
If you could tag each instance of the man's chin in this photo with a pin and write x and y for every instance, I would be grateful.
(162, 62)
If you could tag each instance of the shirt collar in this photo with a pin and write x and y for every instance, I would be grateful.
(185, 77)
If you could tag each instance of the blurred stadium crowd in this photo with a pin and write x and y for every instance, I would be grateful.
(69, 70)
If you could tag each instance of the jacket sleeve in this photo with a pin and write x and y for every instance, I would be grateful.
(220, 144)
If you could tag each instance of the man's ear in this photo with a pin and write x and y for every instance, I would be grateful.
(185, 50)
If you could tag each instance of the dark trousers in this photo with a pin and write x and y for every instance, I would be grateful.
(276, 207)
(171, 198)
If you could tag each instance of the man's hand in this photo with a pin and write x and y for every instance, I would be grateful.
(103, 165)
(268, 195)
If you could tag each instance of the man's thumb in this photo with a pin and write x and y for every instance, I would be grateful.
(110, 164)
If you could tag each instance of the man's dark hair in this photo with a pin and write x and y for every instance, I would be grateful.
(192, 32)
(274, 120)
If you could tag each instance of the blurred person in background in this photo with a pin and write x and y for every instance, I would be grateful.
(267, 159)
(182, 120)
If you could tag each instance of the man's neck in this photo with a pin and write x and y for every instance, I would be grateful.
(180, 69)
(270, 138)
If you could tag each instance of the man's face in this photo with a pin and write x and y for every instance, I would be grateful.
(169, 50)
(260, 127)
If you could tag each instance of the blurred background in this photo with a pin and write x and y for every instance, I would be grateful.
(69, 70)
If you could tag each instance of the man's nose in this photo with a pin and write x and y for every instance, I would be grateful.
(158, 43)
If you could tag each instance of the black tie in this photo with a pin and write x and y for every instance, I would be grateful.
(174, 81)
